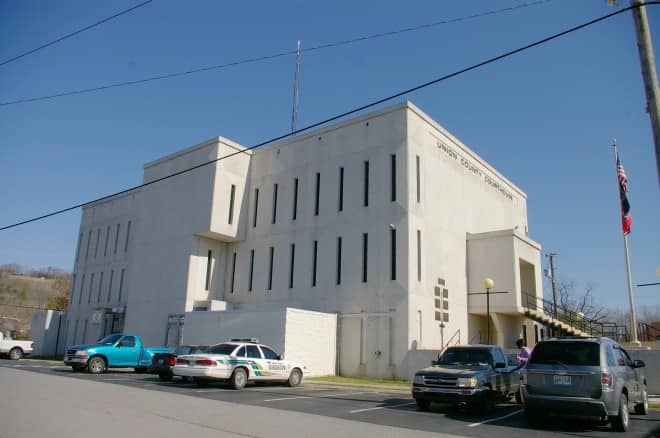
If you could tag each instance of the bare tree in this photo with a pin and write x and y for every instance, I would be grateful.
(572, 300)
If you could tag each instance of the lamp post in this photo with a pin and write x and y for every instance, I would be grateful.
(488, 285)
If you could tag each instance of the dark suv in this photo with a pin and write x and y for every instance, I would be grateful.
(588, 377)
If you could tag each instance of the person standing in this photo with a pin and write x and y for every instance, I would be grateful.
(523, 354)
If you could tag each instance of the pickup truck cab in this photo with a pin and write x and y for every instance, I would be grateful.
(467, 375)
(15, 349)
(121, 350)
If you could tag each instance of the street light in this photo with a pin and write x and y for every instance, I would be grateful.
(488, 285)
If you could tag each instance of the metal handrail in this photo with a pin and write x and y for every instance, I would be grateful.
(648, 332)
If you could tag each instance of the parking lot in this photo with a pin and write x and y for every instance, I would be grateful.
(385, 407)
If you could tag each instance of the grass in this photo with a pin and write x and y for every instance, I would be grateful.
(359, 380)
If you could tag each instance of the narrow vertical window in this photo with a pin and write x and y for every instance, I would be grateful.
(73, 288)
(233, 272)
(80, 236)
(91, 287)
(75, 331)
(84, 334)
(107, 238)
(121, 285)
(393, 177)
(365, 255)
(117, 238)
(256, 206)
(340, 206)
(271, 257)
(96, 246)
(419, 182)
(98, 298)
(128, 235)
(365, 200)
(314, 256)
(338, 260)
(274, 218)
(419, 255)
(82, 288)
(295, 198)
(89, 239)
(251, 270)
(292, 258)
(112, 276)
(318, 192)
(209, 265)
(393, 254)
(232, 196)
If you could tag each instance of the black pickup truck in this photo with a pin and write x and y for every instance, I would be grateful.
(470, 375)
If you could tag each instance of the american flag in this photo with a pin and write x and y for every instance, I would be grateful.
(626, 217)
(621, 174)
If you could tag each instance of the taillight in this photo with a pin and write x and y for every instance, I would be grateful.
(606, 378)
(206, 362)
(171, 360)
(181, 361)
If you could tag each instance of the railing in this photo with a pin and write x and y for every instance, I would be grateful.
(576, 319)
(647, 332)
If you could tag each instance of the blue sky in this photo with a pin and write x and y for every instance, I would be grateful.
(544, 118)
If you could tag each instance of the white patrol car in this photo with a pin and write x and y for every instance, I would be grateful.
(238, 362)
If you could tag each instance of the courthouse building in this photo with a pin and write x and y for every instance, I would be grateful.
(354, 247)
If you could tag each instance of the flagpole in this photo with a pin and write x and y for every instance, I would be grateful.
(633, 319)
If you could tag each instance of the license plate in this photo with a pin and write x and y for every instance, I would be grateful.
(561, 380)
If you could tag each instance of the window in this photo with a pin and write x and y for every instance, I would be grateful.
(89, 239)
(295, 198)
(419, 255)
(393, 177)
(253, 352)
(127, 341)
(566, 352)
(117, 238)
(225, 349)
(340, 207)
(498, 356)
(338, 260)
(256, 206)
(419, 186)
(209, 265)
(611, 356)
(107, 238)
(524, 334)
(239, 353)
(73, 288)
(251, 270)
(274, 218)
(112, 274)
(91, 286)
(314, 255)
(270, 267)
(96, 246)
(393, 254)
(121, 285)
(84, 333)
(82, 287)
(128, 235)
(232, 196)
(365, 254)
(75, 331)
(292, 258)
(269, 354)
(233, 272)
(318, 192)
(98, 298)
(80, 236)
(365, 201)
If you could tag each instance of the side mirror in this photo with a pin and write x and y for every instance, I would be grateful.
(500, 365)
(637, 364)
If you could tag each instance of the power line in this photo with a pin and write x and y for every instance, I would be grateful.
(347, 113)
(74, 33)
(273, 56)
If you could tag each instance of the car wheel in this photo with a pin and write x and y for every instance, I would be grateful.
(96, 365)
(201, 382)
(534, 418)
(643, 407)
(423, 405)
(165, 377)
(487, 402)
(15, 353)
(239, 378)
(621, 422)
(295, 378)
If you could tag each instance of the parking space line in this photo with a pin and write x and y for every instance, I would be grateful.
(496, 419)
(320, 396)
(383, 407)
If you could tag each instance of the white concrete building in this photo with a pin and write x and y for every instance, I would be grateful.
(386, 221)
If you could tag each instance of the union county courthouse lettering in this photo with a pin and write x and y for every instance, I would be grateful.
(353, 248)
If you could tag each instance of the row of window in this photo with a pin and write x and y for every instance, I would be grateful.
(339, 249)
(317, 192)
(94, 286)
(105, 243)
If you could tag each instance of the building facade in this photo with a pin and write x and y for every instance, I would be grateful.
(386, 221)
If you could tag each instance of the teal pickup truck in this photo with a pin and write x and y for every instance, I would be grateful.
(121, 350)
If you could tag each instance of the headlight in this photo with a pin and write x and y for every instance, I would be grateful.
(419, 379)
(466, 383)
(81, 353)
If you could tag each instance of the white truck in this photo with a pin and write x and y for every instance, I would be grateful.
(14, 349)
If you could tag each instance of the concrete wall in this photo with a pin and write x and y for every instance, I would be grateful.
(47, 332)
(652, 369)
(311, 338)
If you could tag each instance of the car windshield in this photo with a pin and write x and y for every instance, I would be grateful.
(222, 349)
(566, 353)
(109, 340)
(465, 356)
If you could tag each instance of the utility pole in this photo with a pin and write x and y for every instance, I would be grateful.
(551, 256)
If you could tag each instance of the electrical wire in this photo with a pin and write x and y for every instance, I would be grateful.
(347, 113)
(79, 31)
(276, 55)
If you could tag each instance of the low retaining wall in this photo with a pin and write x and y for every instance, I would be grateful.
(652, 369)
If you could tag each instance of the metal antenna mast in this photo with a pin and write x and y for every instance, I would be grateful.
(296, 91)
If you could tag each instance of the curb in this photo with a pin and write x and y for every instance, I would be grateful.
(384, 386)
